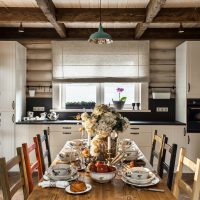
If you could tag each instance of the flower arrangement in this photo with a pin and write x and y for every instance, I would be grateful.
(102, 122)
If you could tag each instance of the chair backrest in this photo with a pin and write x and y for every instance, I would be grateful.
(30, 168)
(168, 167)
(8, 192)
(157, 153)
(44, 152)
(179, 183)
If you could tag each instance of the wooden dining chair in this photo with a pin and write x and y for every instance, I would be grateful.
(157, 152)
(36, 166)
(8, 192)
(44, 152)
(168, 167)
(179, 183)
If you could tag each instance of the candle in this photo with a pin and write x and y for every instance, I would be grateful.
(89, 140)
(109, 143)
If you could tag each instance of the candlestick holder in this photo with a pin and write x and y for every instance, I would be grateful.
(109, 157)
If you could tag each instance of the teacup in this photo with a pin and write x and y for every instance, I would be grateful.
(76, 143)
(140, 174)
(43, 115)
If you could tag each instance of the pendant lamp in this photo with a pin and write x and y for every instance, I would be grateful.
(100, 37)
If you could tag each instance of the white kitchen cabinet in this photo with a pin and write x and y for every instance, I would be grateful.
(193, 146)
(24, 133)
(141, 135)
(187, 68)
(21, 134)
(176, 134)
(35, 129)
(12, 78)
(12, 93)
(60, 134)
(7, 135)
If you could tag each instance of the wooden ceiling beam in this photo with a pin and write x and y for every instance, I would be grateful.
(48, 9)
(34, 15)
(153, 8)
(174, 15)
(108, 14)
(16, 15)
(83, 33)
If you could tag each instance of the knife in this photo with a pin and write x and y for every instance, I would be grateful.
(153, 189)
(148, 189)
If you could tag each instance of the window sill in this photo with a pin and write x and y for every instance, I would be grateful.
(90, 110)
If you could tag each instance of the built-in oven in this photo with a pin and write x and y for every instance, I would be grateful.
(193, 115)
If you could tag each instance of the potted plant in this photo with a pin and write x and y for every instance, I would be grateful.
(79, 105)
(120, 103)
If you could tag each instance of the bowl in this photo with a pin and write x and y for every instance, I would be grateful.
(102, 177)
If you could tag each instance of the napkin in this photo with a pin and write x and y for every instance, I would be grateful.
(58, 184)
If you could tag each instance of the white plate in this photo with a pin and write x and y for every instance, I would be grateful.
(155, 181)
(138, 181)
(57, 177)
(88, 188)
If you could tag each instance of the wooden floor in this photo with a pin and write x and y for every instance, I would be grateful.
(19, 195)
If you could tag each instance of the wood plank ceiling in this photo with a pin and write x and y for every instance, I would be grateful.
(77, 19)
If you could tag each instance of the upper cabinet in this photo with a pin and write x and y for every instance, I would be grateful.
(187, 76)
(12, 78)
(188, 69)
(193, 69)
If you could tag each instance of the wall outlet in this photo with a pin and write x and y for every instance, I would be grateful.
(40, 109)
(161, 109)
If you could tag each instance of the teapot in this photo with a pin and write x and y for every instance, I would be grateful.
(53, 116)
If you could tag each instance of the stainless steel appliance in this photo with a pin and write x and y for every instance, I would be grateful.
(193, 115)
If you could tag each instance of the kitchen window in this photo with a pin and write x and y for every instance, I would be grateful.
(99, 93)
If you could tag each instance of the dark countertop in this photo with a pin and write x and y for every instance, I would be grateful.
(79, 122)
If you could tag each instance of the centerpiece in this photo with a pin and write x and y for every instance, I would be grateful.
(104, 124)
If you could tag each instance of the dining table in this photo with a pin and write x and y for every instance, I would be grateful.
(116, 189)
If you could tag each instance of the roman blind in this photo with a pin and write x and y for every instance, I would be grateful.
(80, 61)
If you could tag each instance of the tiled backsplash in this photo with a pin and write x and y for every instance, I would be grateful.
(154, 105)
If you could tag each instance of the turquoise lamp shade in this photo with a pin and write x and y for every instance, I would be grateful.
(100, 37)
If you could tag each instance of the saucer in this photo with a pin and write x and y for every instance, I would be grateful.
(88, 188)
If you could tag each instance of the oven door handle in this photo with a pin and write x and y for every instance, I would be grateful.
(195, 108)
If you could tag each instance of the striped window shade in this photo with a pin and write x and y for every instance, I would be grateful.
(80, 61)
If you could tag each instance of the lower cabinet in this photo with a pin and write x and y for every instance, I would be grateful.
(7, 135)
(141, 135)
(193, 146)
(175, 134)
(59, 134)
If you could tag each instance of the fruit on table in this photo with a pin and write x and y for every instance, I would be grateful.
(102, 168)
(111, 168)
(86, 153)
(132, 164)
(99, 163)
(92, 167)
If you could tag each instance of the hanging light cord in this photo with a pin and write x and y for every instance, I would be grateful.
(100, 12)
